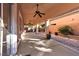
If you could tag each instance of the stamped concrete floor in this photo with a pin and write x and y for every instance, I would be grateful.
(36, 45)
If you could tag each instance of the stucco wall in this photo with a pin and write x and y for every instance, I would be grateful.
(71, 20)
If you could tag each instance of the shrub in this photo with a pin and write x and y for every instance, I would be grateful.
(66, 30)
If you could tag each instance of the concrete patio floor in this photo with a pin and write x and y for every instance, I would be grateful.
(36, 45)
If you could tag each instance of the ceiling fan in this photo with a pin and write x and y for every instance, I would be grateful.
(37, 12)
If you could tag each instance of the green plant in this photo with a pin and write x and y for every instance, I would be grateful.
(66, 30)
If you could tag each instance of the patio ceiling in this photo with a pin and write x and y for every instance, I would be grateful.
(50, 9)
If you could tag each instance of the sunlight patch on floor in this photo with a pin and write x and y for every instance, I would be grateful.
(40, 43)
(43, 49)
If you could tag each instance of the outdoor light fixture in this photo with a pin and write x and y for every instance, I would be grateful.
(54, 24)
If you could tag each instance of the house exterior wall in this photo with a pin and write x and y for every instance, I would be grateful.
(71, 20)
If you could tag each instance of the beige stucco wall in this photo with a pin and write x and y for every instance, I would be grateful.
(71, 20)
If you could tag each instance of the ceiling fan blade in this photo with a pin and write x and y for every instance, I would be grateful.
(42, 13)
(39, 15)
(35, 14)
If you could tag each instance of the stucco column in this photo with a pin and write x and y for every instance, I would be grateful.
(47, 25)
(12, 36)
(1, 30)
(37, 29)
(33, 28)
